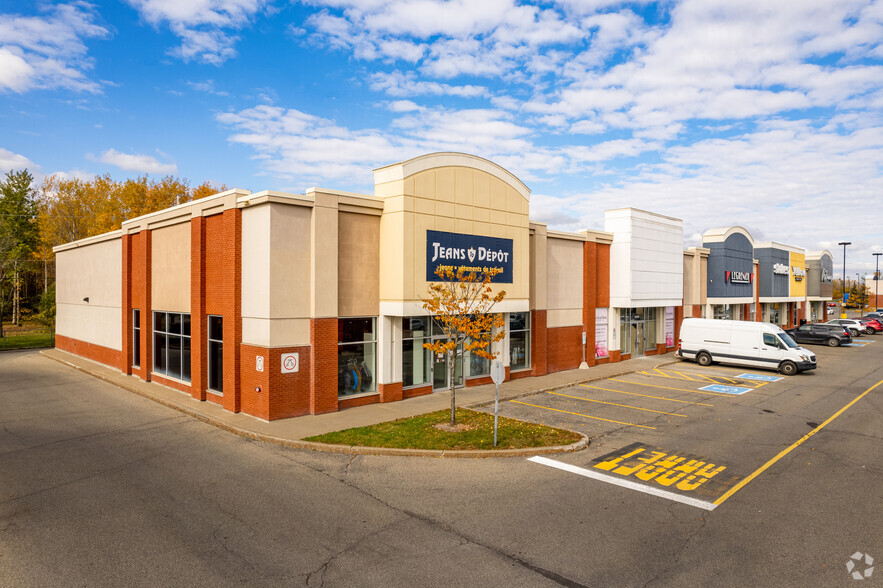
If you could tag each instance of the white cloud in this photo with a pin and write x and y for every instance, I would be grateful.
(146, 164)
(205, 27)
(208, 87)
(48, 51)
(406, 84)
(10, 161)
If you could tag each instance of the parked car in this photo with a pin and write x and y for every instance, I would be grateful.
(871, 322)
(875, 315)
(821, 333)
(744, 343)
(855, 327)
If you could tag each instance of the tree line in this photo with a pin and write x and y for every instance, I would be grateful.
(34, 219)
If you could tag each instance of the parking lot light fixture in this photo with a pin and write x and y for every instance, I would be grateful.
(877, 282)
(843, 285)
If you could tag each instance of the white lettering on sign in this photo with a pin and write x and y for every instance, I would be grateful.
(484, 254)
(780, 269)
(797, 272)
(739, 277)
(290, 363)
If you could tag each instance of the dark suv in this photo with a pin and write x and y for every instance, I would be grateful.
(821, 333)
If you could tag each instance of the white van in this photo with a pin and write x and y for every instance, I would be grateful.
(743, 343)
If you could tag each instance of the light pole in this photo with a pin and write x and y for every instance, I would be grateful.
(877, 281)
(843, 285)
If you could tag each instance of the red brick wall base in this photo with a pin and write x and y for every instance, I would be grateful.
(105, 355)
(271, 395)
(565, 348)
(389, 392)
(412, 392)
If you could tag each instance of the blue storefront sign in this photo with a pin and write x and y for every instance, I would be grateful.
(472, 253)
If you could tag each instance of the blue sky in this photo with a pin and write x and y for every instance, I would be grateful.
(763, 114)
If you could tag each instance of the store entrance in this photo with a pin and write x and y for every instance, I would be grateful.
(440, 371)
(638, 328)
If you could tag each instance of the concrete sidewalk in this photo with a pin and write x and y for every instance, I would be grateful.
(291, 432)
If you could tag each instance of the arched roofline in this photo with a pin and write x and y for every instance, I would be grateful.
(721, 234)
(814, 255)
(404, 169)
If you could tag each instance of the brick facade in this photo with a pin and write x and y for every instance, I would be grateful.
(107, 356)
(323, 365)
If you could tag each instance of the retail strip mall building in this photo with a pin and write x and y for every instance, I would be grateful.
(280, 305)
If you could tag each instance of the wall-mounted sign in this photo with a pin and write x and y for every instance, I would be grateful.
(780, 269)
(670, 325)
(739, 277)
(259, 363)
(798, 273)
(827, 278)
(290, 363)
(601, 318)
(471, 253)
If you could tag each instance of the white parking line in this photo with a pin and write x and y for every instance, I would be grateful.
(624, 483)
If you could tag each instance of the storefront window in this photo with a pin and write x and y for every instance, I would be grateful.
(136, 337)
(477, 365)
(637, 330)
(774, 314)
(722, 311)
(216, 353)
(519, 341)
(171, 345)
(356, 355)
(416, 360)
(753, 312)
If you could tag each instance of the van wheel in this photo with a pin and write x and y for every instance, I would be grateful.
(833, 342)
(788, 368)
(703, 359)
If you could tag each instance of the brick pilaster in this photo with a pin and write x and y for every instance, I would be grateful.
(323, 365)
(198, 335)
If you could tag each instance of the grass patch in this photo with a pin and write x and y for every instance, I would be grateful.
(419, 432)
(25, 339)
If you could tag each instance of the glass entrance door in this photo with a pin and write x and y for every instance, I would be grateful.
(440, 372)
(637, 338)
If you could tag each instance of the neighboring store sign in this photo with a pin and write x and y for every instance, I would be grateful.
(670, 326)
(739, 277)
(798, 273)
(471, 253)
(601, 318)
(826, 277)
(290, 363)
(780, 269)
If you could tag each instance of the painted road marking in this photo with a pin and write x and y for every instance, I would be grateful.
(615, 404)
(666, 387)
(582, 415)
(793, 446)
(690, 376)
(623, 483)
(760, 377)
(726, 389)
(857, 343)
(646, 395)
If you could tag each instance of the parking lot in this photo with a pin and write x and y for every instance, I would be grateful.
(687, 431)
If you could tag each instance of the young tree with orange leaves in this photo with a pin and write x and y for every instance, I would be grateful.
(460, 303)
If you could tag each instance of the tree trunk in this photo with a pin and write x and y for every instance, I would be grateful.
(452, 361)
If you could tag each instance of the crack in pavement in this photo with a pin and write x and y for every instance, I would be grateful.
(446, 527)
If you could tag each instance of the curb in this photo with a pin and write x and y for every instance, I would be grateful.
(326, 447)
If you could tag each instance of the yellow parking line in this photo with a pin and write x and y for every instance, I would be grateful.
(645, 395)
(670, 388)
(794, 445)
(582, 415)
(615, 404)
(661, 374)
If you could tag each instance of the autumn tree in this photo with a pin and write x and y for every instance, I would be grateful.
(460, 304)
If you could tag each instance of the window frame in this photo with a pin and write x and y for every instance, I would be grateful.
(208, 351)
(528, 356)
(167, 335)
(136, 338)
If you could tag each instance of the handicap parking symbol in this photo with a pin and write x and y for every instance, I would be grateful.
(760, 377)
(726, 389)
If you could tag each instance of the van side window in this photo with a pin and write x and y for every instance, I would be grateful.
(770, 340)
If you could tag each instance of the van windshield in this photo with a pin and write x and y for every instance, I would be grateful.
(787, 340)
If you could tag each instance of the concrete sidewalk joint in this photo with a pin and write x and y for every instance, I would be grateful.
(291, 432)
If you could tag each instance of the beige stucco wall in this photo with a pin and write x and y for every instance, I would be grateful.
(447, 192)
(170, 268)
(91, 271)
(358, 264)
(564, 294)
(276, 275)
